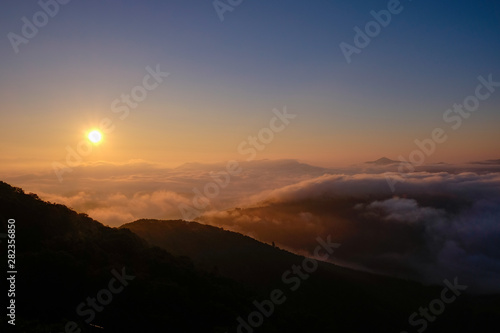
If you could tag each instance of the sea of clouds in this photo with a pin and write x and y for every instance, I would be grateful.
(440, 221)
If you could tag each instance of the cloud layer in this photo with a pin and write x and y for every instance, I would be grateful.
(116, 194)
(440, 222)
(435, 226)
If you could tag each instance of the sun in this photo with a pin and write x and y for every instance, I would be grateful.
(95, 136)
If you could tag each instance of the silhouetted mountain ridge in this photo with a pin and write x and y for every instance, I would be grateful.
(261, 266)
(229, 253)
(65, 257)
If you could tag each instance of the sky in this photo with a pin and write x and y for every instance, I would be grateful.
(226, 78)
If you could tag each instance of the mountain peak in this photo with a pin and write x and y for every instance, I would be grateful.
(382, 161)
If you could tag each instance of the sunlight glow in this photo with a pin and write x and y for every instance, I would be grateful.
(95, 136)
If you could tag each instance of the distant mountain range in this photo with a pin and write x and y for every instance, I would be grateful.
(66, 257)
(488, 162)
(388, 161)
(383, 161)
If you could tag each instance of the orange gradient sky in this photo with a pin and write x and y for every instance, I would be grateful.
(225, 79)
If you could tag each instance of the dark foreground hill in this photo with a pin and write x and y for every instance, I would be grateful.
(64, 257)
(336, 297)
(216, 250)
(76, 275)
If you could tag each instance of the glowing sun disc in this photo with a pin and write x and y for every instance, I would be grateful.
(95, 136)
